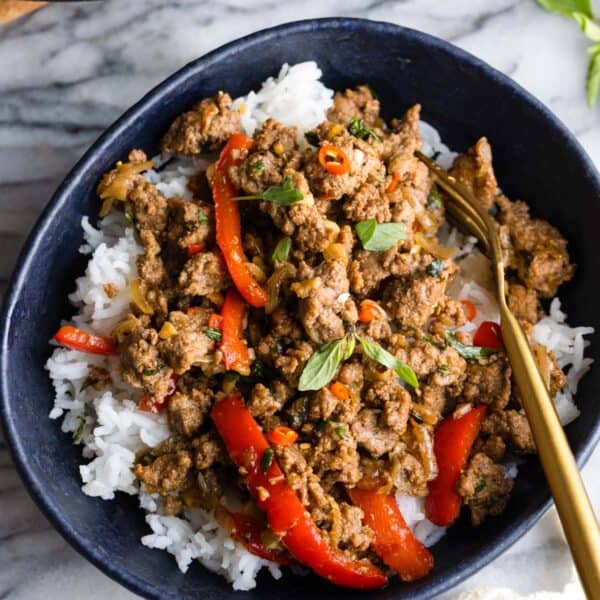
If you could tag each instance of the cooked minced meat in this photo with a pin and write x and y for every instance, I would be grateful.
(303, 240)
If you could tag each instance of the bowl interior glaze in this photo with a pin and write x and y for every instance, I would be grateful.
(535, 157)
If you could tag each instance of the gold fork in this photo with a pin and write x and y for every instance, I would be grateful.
(572, 502)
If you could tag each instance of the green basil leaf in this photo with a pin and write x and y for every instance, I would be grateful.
(341, 431)
(379, 237)
(78, 433)
(589, 27)
(322, 365)
(282, 249)
(152, 372)
(469, 352)
(375, 352)
(593, 77)
(267, 459)
(567, 8)
(435, 268)
(202, 218)
(434, 200)
(357, 128)
(213, 334)
(433, 342)
(284, 195)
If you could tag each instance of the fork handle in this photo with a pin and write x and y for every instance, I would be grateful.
(572, 502)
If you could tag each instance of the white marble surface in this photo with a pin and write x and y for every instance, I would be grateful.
(69, 70)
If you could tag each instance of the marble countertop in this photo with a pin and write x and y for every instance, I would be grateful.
(69, 70)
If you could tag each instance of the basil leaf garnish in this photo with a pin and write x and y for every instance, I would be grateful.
(282, 249)
(469, 352)
(375, 352)
(322, 365)
(379, 237)
(284, 195)
(213, 334)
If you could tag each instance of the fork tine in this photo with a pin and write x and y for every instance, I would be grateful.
(463, 221)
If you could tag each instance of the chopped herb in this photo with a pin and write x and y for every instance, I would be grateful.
(379, 237)
(87, 382)
(433, 342)
(213, 334)
(322, 424)
(323, 363)
(375, 352)
(469, 352)
(267, 460)
(257, 167)
(341, 431)
(296, 420)
(284, 195)
(78, 433)
(202, 218)
(128, 216)
(435, 268)
(358, 129)
(481, 484)
(151, 372)
(443, 369)
(282, 249)
(313, 138)
(434, 200)
(279, 347)
(258, 370)
(149, 457)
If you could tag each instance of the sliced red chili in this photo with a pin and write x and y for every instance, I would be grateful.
(194, 249)
(334, 160)
(469, 308)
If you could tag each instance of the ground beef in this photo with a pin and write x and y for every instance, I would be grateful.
(274, 152)
(540, 252)
(207, 450)
(354, 104)
(189, 223)
(524, 303)
(353, 533)
(375, 437)
(151, 267)
(489, 382)
(189, 406)
(335, 458)
(484, 488)
(474, 170)
(142, 364)
(364, 165)
(412, 300)
(204, 274)
(264, 402)
(166, 474)
(369, 202)
(513, 428)
(209, 124)
(190, 346)
(320, 303)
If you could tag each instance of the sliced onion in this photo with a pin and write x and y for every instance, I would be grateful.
(433, 246)
(138, 298)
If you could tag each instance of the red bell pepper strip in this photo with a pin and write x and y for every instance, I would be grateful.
(78, 339)
(287, 517)
(452, 443)
(488, 335)
(394, 542)
(194, 249)
(247, 530)
(233, 345)
(228, 224)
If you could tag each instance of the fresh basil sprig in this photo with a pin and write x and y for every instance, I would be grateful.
(582, 12)
(358, 129)
(284, 195)
(322, 365)
(469, 352)
(383, 357)
(379, 237)
(282, 249)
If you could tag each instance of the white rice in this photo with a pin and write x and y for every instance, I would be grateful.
(112, 430)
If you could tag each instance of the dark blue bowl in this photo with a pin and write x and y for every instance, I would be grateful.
(536, 158)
